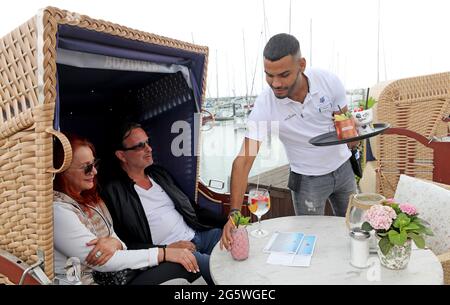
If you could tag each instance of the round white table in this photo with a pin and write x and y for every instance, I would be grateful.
(330, 263)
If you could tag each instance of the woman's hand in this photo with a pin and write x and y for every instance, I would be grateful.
(104, 249)
(183, 244)
(183, 257)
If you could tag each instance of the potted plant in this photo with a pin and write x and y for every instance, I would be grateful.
(395, 226)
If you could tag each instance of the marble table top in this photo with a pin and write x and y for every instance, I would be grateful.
(330, 263)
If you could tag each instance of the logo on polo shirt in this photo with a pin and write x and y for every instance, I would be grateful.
(290, 116)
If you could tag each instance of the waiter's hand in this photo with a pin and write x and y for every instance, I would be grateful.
(226, 239)
(354, 144)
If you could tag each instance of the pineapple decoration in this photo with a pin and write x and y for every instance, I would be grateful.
(240, 245)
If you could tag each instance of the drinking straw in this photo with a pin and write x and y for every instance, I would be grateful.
(257, 183)
(232, 221)
(367, 99)
(340, 109)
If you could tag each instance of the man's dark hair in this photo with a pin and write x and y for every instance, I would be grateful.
(123, 132)
(281, 45)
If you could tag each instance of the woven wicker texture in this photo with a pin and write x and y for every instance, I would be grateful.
(26, 185)
(445, 257)
(417, 104)
(18, 80)
(445, 261)
(25, 151)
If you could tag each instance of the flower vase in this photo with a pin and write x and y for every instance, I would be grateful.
(397, 258)
(240, 245)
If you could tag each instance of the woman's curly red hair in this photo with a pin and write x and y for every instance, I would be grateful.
(61, 183)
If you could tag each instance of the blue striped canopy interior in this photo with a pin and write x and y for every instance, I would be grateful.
(92, 101)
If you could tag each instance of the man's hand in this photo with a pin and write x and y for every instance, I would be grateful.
(226, 239)
(183, 244)
(352, 145)
(104, 249)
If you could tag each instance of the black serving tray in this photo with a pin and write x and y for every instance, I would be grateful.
(330, 138)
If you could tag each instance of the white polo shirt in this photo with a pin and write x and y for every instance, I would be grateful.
(296, 123)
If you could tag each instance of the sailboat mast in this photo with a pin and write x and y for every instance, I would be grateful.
(378, 45)
(266, 26)
(290, 10)
(217, 77)
(245, 66)
(310, 42)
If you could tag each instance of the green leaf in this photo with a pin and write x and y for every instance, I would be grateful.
(396, 238)
(419, 224)
(396, 208)
(412, 226)
(385, 245)
(366, 226)
(418, 240)
(422, 228)
(429, 232)
(401, 221)
(240, 220)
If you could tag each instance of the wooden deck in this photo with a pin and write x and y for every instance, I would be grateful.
(276, 180)
(280, 196)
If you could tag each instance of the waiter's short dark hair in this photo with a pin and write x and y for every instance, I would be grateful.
(281, 45)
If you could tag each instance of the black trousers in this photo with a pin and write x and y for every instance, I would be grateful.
(160, 274)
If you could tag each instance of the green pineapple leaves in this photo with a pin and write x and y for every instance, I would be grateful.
(238, 219)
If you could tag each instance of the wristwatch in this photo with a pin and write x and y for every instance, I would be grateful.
(234, 211)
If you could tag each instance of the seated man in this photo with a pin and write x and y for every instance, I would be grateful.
(148, 208)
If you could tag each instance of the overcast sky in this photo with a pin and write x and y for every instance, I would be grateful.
(414, 35)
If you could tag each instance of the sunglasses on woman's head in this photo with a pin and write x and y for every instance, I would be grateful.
(88, 168)
(138, 146)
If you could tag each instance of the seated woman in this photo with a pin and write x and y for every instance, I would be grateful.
(83, 229)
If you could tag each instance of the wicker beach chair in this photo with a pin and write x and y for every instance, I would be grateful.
(417, 145)
(45, 87)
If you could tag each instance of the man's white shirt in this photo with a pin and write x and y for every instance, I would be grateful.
(296, 123)
(166, 224)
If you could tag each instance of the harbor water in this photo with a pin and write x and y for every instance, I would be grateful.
(220, 146)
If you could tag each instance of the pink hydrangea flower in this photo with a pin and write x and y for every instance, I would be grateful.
(380, 217)
(408, 209)
(390, 201)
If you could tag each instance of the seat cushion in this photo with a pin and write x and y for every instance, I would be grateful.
(433, 205)
(368, 184)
